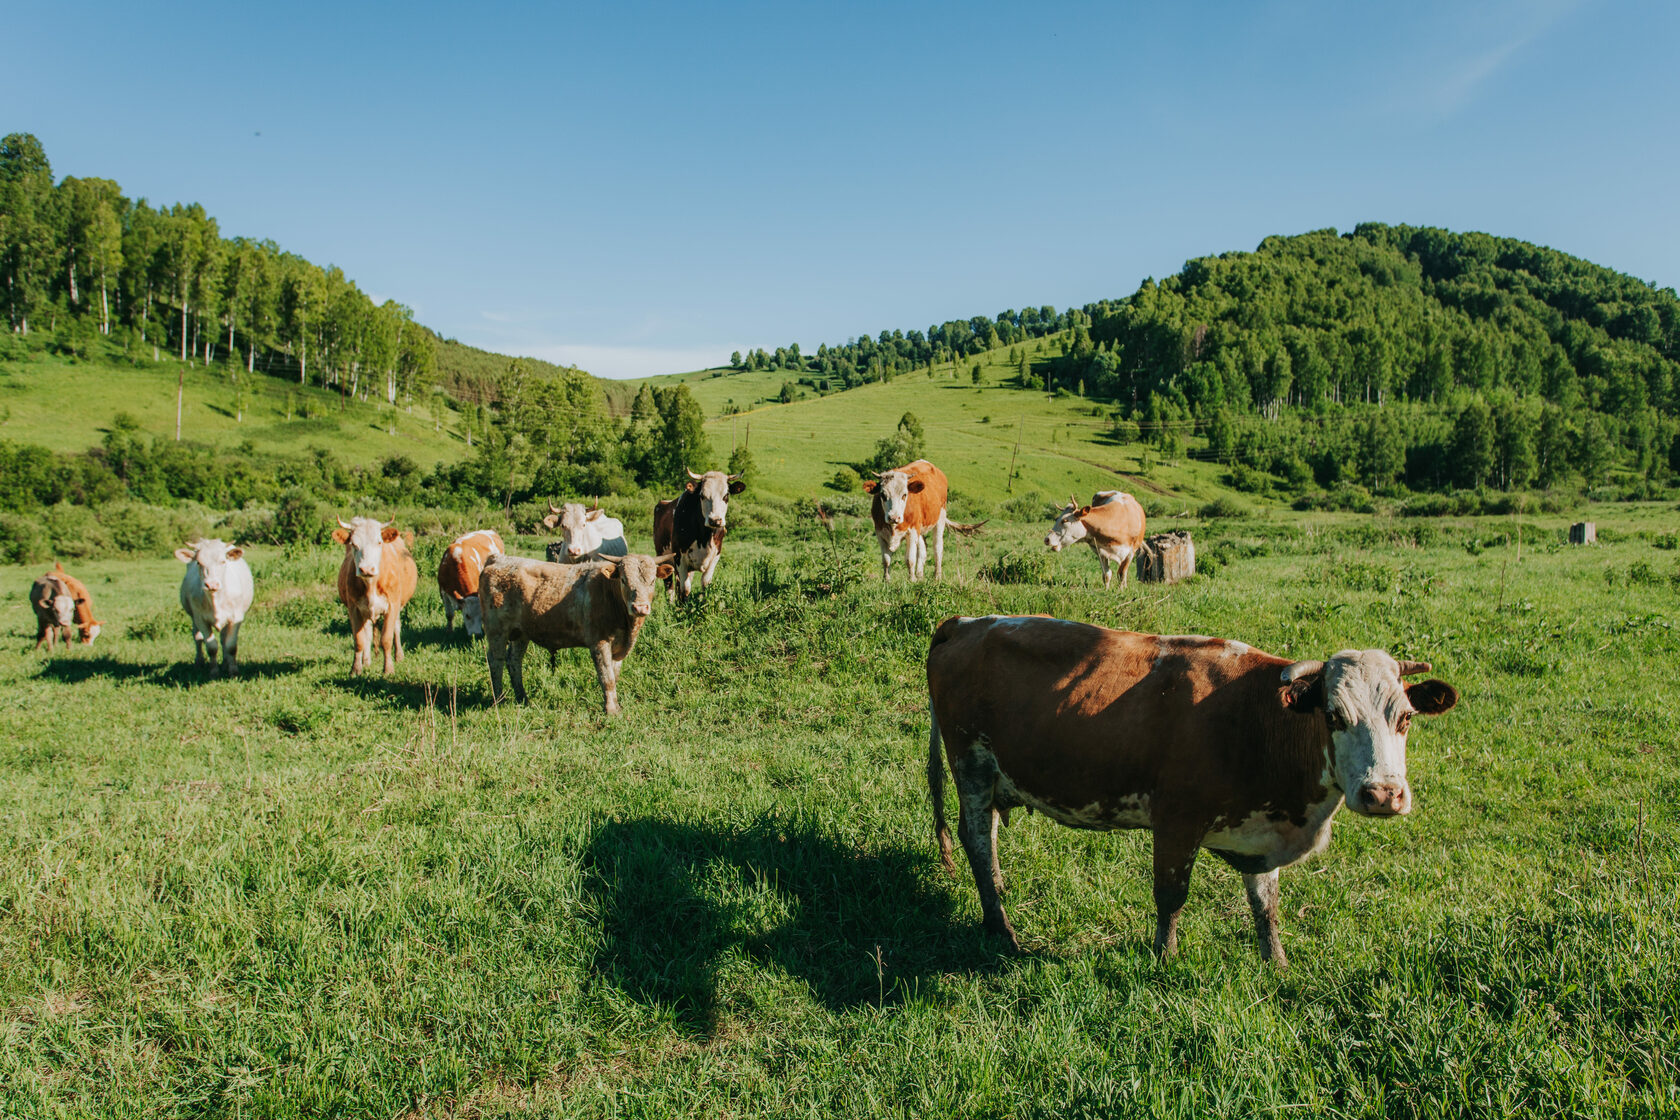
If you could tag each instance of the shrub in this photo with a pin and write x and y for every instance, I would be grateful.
(1223, 507)
(1030, 506)
(23, 540)
(1666, 541)
(1020, 566)
(846, 481)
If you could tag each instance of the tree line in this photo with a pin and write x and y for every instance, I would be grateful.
(1395, 354)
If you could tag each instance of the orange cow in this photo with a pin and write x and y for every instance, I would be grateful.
(458, 575)
(376, 579)
(909, 501)
(1112, 525)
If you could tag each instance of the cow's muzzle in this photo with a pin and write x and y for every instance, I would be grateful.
(367, 573)
(1384, 799)
(574, 553)
(1052, 544)
(714, 522)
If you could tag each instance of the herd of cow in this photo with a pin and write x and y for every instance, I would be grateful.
(1206, 742)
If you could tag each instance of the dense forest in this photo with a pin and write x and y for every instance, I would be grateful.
(1394, 355)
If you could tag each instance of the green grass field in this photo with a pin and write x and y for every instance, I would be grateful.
(297, 894)
(68, 406)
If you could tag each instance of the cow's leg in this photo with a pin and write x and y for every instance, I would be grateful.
(364, 645)
(198, 644)
(44, 633)
(708, 568)
(886, 561)
(938, 549)
(1263, 902)
(495, 655)
(449, 614)
(396, 634)
(230, 648)
(388, 639)
(977, 817)
(516, 667)
(1125, 565)
(1175, 856)
(607, 672)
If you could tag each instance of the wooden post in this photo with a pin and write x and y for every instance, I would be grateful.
(180, 393)
(1009, 484)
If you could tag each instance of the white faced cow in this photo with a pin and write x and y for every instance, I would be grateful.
(376, 580)
(585, 534)
(693, 526)
(55, 610)
(216, 591)
(1112, 525)
(1205, 742)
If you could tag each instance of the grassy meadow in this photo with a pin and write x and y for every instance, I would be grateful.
(298, 894)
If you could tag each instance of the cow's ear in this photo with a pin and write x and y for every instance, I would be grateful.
(595, 514)
(550, 521)
(1084, 511)
(235, 553)
(737, 486)
(609, 570)
(689, 486)
(1431, 697)
(184, 555)
(342, 536)
(664, 571)
(916, 486)
(1303, 694)
(389, 533)
(869, 485)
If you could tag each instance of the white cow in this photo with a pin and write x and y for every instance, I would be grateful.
(585, 534)
(216, 592)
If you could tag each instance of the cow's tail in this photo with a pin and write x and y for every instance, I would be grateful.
(936, 790)
(965, 530)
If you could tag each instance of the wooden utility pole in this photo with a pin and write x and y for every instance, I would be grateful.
(1009, 485)
(180, 394)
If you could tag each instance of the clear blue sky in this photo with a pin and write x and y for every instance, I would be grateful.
(643, 188)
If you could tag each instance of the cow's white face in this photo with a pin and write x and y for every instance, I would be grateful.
(63, 606)
(212, 558)
(894, 489)
(472, 616)
(580, 530)
(713, 489)
(1369, 712)
(638, 577)
(364, 539)
(1069, 527)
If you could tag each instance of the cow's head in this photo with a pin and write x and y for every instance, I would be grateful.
(1069, 527)
(364, 540)
(892, 489)
(472, 616)
(1369, 710)
(579, 528)
(212, 558)
(57, 601)
(637, 578)
(713, 489)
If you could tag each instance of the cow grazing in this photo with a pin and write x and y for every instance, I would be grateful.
(376, 580)
(693, 527)
(55, 610)
(216, 591)
(48, 596)
(599, 606)
(1112, 525)
(585, 534)
(458, 576)
(909, 501)
(1206, 742)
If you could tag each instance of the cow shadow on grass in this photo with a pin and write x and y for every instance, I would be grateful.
(415, 696)
(167, 674)
(681, 904)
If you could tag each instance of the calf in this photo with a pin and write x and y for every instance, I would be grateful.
(55, 610)
(81, 608)
(458, 575)
(909, 501)
(693, 527)
(376, 580)
(585, 534)
(1205, 742)
(599, 606)
(216, 591)
(1112, 525)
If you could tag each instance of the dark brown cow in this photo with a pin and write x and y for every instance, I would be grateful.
(1206, 742)
(598, 605)
(1112, 525)
(909, 501)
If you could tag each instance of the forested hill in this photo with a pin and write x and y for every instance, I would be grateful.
(1522, 364)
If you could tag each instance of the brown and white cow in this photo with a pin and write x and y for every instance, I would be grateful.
(692, 527)
(55, 610)
(1112, 525)
(458, 574)
(586, 533)
(376, 580)
(597, 605)
(910, 501)
(48, 596)
(1205, 742)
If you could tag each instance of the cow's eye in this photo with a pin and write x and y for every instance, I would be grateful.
(1335, 719)
(1404, 723)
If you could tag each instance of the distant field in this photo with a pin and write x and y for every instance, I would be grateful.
(68, 406)
(298, 894)
(971, 434)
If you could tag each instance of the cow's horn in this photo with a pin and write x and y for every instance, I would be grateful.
(1073, 500)
(734, 477)
(1408, 668)
(552, 508)
(343, 524)
(691, 474)
(1301, 669)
